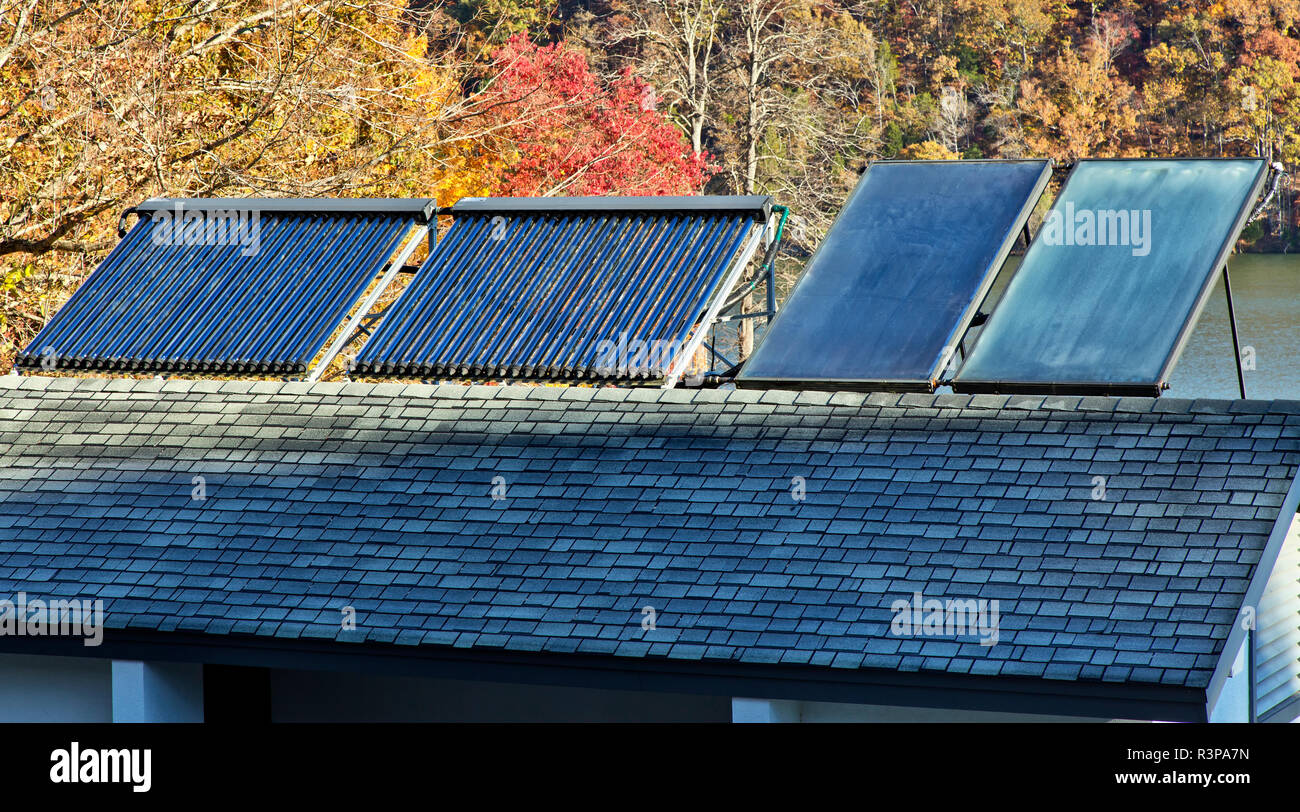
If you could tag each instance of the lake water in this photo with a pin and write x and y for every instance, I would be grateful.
(1266, 299)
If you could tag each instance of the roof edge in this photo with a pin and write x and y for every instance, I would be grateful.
(998, 694)
(34, 381)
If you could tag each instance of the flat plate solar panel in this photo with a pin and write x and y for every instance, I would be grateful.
(900, 275)
(225, 285)
(1110, 289)
(564, 288)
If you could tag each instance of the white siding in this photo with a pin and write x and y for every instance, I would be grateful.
(1277, 646)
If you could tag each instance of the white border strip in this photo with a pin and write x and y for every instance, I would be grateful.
(678, 366)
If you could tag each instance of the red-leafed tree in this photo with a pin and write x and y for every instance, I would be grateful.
(562, 131)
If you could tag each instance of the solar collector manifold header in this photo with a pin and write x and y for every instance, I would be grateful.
(225, 285)
(756, 207)
(567, 288)
(419, 209)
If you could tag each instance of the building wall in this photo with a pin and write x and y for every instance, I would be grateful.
(77, 689)
(837, 712)
(1233, 704)
(747, 710)
(157, 692)
(55, 689)
(307, 696)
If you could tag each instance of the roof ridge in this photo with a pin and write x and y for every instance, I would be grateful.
(796, 398)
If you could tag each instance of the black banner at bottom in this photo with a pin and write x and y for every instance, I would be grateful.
(136, 763)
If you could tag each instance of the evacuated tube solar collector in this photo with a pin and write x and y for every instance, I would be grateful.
(226, 285)
(564, 288)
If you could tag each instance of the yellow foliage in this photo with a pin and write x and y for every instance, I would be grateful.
(115, 104)
(927, 151)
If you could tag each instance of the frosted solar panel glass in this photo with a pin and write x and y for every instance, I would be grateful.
(1115, 278)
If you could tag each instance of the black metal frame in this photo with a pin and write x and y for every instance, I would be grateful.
(1232, 324)
(837, 385)
(1087, 388)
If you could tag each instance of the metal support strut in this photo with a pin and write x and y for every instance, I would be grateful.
(1236, 343)
(366, 306)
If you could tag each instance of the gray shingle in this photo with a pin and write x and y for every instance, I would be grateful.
(379, 497)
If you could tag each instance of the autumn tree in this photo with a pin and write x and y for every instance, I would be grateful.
(557, 129)
(1080, 108)
(102, 105)
(681, 46)
(1267, 117)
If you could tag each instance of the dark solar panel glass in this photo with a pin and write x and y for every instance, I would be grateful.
(899, 276)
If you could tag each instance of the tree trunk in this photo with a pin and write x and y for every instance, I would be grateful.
(752, 128)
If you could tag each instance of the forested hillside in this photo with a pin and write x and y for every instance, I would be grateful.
(104, 104)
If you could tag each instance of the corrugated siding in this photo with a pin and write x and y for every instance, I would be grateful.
(535, 295)
(210, 308)
(1277, 646)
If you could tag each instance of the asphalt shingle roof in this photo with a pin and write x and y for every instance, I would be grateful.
(379, 497)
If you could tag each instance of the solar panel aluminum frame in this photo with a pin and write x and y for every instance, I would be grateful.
(945, 358)
(1104, 388)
